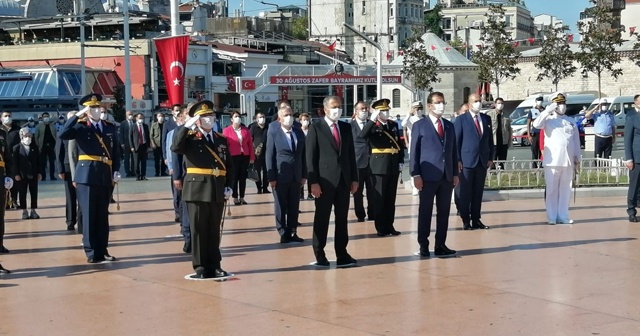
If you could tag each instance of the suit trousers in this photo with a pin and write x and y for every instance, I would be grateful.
(94, 204)
(158, 162)
(337, 198)
(286, 205)
(140, 161)
(205, 218)
(536, 153)
(501, 153)
(177, 200)
(558, 187)
(48, 153)
(71, 205)
(634, 190)
(32, 185)
(240, 166)
(384, 198)
(261, 167)
(603, 147)
(364, 181)
(128, 161)
(441, 191)
(3, 200)
(470, 192)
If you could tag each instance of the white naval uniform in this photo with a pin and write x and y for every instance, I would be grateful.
(561, 154)
(407, 123)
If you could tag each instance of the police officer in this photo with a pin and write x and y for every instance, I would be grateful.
(386, 161)
(97, 170)
(206, 186)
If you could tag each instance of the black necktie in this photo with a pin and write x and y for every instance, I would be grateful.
(293, 142)
(209, 139)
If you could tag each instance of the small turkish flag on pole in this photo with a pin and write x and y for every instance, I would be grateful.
(531, 40)
(516, 44)
(433, 47)
(632, 30)
(332, 46)
(570, 37)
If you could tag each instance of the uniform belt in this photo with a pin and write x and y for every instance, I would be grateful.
(384, 151)
(603, 136)
(102, 159)
(206, 171)
(1, 164)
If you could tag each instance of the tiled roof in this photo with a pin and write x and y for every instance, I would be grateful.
(442, 51)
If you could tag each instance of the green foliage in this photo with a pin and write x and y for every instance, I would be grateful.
(119, 107)
(419, 66)
(599, 41)
(458, 45)
(636, 47)
(299, 28)
(433, 21)
(496, 57)
(556, 58)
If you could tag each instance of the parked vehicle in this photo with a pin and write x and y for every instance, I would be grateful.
(519, 135)
(575, 103)
(619, 105)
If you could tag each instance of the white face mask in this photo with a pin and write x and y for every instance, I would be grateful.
(46, 119)
(476, 106)
(538, 103)
(287, 121)
(363, 115)
(140, 121)
(95, 113)
(334, 113)
(130, 117)
(160, 119)
(236, 120)
(384, 115)
(31, 123)
(261, 121)
(603, 108)
(438, 109)
(499, 106)
(103, 116)
(26, 141)
(175, 113)
(561, 109)
(419, 112)
(6, 120)
(305, 123)
(206, 122)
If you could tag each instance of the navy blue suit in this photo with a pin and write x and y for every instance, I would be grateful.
(435, 160)
(94, 179)
(474, 151)
(287, 168)
(169, 126)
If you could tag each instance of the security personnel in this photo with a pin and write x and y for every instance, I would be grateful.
(97, 170)
(386, 161)
(206, 186)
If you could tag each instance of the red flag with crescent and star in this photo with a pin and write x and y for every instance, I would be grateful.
(172, 56)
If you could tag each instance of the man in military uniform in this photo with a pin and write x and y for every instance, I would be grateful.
(206, 186)
(97, 170)
(386, 161)
(5, 172)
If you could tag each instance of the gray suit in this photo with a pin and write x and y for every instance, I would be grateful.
(363, 153)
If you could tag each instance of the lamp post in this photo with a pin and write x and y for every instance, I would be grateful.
(83, 67)
(127, 65)
(379, 56)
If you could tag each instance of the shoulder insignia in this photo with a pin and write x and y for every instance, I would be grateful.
(192, 132)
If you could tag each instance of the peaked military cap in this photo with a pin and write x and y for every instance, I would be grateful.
(416, 104)
(92, 100)
(202, 108)
(381, 104)
(558, 98)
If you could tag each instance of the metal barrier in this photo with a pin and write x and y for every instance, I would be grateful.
(526, 174)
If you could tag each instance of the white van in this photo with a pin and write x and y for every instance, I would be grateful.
(575, 104)
(619, 105)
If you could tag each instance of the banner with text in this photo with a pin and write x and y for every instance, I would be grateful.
(332, 80)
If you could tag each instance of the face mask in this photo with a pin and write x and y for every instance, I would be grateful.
(305, 123)
(334, 113)
(160, 119)
(603, 108)
(175, 113)
(499, 106)
(206, 122)
(236, 120)
(95, 113)
(103, 116)
(261, 121)
(538, 103)
(438, 109)
(6, 120)
(130, 117)
(61, 121)
(362, 115)
(287, 121)
(45, 119)
(476, 106)
(419, 112)
(384, 115)
(26, 141)
(561, 109)
(140, 121)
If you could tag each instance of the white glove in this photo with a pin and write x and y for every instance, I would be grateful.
(414, 119)
(116, 177)
(551, 108)
(227, 193)
(401, 166)
(191, 122)
(374, 115)
(8, 183)
(82, 112)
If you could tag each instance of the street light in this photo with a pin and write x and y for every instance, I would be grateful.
(378, 64)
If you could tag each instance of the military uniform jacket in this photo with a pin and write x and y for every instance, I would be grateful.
(6, 156)
(96, 144)
(197, 152)
(384, 139)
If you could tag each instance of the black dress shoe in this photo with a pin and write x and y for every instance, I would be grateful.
(108, 257)
(444, 251)
(71, 227)
(243, 202)
(220, 273)
(201, 275)
(259, 191)
(382, 234)
(4, 270)
(478, 225)
(144, 178)
(285, 239)
(322, 262)
(94, 260)
(138, 178)
(113, 201)
(4, 250)
(395, 233)
(360, 220)
(466, 225)
(296, 239)
(346, 262)
(177, 219)
(633, 219)
(424, 251)
(187, 247)
(266, 191)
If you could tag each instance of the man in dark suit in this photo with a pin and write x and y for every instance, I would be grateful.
(333, 173)
(139, 138)
(632, 155)
(125, 143)
(26, 169)
(258, 132)
(386, 161)
(13, 138)
(96, 170)
(363, 152)
(157, 144)
(207, 186)
(434, 168)
(286, 172)
(474, 138)
(64, 173)
(169, 126)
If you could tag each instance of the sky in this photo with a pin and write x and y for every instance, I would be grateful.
(567, 10)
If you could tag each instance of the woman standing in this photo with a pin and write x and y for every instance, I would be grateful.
(241, 150)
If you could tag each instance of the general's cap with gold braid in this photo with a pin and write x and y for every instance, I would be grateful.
(381, 104)
(558, 98)
(202, 108)
(90, 100)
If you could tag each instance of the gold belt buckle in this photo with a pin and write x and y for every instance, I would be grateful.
(216, 172)
(104, 159)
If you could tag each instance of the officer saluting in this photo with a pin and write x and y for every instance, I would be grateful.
(97, 170)
(206, 186)
(386, 161)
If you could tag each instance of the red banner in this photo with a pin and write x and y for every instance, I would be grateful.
(172, 56)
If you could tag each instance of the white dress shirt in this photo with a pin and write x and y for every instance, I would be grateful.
(239, 135)
(330, 123)
(290, 135)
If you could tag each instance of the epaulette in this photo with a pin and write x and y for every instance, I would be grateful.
(192, 132)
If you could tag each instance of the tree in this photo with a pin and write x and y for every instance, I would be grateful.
(433, 21)
(458, 45)
(299, 28)
(556, 58)
(419, 66)
(635, 57)
(599, 41)
(118, 108)
(497, 56)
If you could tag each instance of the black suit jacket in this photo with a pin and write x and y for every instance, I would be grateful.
(360, 145)
(326, 163)
(26, 163)
(384, 137)
(125, 140)
(134, 136)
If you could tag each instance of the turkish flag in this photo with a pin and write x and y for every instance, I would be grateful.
(531, 40)
(248, 84)
(433, 47)
(284, 94)
(332, 46)
(172, 56)
(516, 44)
(570, 38)
(339, 90)
(632, 30)
(232, 83)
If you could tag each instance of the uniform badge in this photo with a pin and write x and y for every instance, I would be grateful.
(216, 172)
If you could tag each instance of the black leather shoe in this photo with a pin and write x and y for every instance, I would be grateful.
(177, 219)
(4, 270)
(201, 275)
(285, 239)
(113, 201)
(478, 225)
(220, 273)
(94, 260)
(466, 225)
(295, 238)
(266, 191)
(71, 227)
(633, 219)
(108, 257)
(444, 251)
(395, 233)
(360, 220)
(322, 262)
(424, 251)
(4, 250)
(382, 234)
(259, 191)
(346, 262)
(187, 247)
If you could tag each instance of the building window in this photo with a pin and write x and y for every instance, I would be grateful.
(390, 10)
(364, 52)
(465, 94)
(446, 37)
(364, 29)
(364, 7)
(446, 23)
(395, 98)
(508, 19)
(390, 34)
